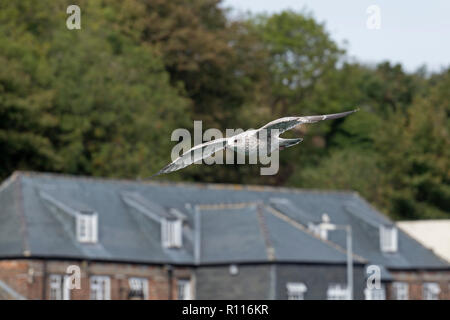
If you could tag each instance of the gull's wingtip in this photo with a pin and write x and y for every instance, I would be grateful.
(151, 177)
(169, 168)
(154, 175)
(351, 111)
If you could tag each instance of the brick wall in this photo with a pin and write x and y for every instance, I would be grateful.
(27, 277)
(416, 279)
(30, 278)
(15, 273)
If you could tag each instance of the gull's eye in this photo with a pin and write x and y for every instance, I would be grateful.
(235, 140)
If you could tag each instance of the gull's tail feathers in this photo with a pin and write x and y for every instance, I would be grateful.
(286, 143)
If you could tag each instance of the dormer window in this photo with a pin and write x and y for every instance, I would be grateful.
(83, 220)
(388, 239)
(171, 233)
(87, 227)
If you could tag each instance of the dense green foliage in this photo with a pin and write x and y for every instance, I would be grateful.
(105, 99)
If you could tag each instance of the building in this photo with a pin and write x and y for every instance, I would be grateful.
(433, 234)
(65, 237)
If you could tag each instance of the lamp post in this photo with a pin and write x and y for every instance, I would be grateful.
(326, 225)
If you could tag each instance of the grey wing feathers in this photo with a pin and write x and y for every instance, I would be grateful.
(287, 123)
(282, 124)
(194, 154)
(312, 119)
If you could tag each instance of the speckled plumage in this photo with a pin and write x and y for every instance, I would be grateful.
(249, 142)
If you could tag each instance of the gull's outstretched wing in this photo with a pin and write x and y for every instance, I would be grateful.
(199, 152)
(287, 123)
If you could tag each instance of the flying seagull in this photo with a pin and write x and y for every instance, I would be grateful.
(250, 141)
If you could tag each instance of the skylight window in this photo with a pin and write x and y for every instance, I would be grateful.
(388, 239)
(171, 233)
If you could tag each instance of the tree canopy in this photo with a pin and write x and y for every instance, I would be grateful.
(104, 100)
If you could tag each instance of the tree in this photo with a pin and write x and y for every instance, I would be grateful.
(93, 102)
(344, 170)
(25, 95)
(301, 52)
(416, 153)
(196, 41)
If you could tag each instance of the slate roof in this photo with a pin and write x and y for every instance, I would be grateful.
(223, 223)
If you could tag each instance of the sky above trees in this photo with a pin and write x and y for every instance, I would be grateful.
(411, 33)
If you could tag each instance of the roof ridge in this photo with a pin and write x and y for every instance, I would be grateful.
(218, 186)
(226, 206)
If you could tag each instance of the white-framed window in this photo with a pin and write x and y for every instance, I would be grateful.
(59, 287)
(388, 238)
(296, 290)
(431, 291)
(87, 227)
(138, 288)
(184, 289)
(400, 290)
(171, 233)
(100, 288)
(337, 291)
(375, 293)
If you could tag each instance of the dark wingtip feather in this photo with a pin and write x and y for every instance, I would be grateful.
(163, 170)
(153, 175)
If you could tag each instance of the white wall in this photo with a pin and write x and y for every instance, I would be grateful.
(433, 234)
